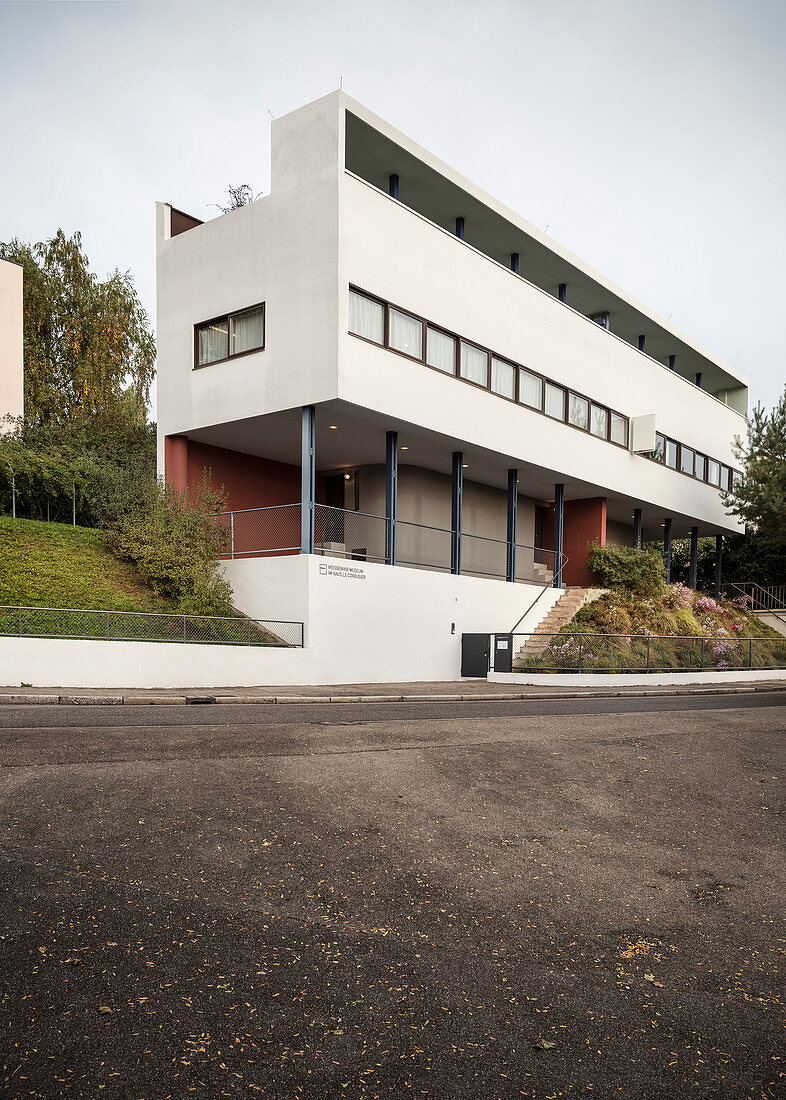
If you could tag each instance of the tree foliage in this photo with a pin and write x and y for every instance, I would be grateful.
(759, 497)
(638, 570)
(89, 352)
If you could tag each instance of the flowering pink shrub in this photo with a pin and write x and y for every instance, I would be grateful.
(678, 596)
(707, 605)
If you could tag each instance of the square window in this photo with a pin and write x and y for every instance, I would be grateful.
(474, 364)
(440, 351)
(599, 422)
(555, 401)
(246, 331)
(530, 389)
(503, 377)
(578, 411)
(366, 317)
(405, 334)
(619, 429)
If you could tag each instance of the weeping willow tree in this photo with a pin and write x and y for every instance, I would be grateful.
(89, 352)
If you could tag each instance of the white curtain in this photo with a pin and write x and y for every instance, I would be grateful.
(530, 390)
(474, 364)
(366, 318)
(599, 424)
(555, 401)
(247, 331)
(441, 351)
(503, 377)
(406, 334)
(619, 429)
(213, 342)
(578, 411)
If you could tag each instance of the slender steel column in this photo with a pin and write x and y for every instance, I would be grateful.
(559, 518)
(457, 493)
(514, 262)
(308, 477)
(698, 378)
(718, 564)
(513, 499)
(672, 362)
(667, 550)
(642, 343)
(393, 185)
(460, 228)
(694, 557)
(563, 292)
(391, 495)
(637, 528)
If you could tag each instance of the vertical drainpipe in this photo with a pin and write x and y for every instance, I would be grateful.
(391, 496)
(718, 564)
(559, 510)
(637, 528)
(667, 550)
(513, 496)
(457, 493)
(694, 557)
(307, 477)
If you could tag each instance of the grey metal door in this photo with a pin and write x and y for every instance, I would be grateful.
(474, 654)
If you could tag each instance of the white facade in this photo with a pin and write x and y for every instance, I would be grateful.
(334, 220)
(11, 337)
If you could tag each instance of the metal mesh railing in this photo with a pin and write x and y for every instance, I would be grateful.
(642, 653)
(147, 626)
(260, 531)
(356, 536)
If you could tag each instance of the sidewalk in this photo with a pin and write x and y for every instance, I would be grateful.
(448, 691)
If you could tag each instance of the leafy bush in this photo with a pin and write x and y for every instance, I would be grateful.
(173, 539)
(638, 570)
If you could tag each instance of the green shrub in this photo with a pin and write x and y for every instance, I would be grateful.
(638, 570)
(174, 539)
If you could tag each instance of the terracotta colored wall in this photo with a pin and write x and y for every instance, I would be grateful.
(249, 482)
(584, 521)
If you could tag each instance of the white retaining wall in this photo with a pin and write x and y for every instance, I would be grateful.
(364, 623)
(623, 680)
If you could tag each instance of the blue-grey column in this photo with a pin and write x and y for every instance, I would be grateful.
(562, 292)
(393, 185)
(667, 550)
(460, 228)
(308, 477)
(456, 500)
(718, 564)
(514, 262)
(672, 362)
(391, 496)
(637, 528)
(559, 518)
(642, 343)
(694, 557)
(513, 498)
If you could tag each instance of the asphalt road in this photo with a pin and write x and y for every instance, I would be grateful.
(271, 901)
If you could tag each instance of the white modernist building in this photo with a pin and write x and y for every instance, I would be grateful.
(394, 377)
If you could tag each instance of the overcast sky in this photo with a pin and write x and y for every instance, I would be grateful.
(648, 136)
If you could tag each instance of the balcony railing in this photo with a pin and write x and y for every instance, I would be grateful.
(361, 536)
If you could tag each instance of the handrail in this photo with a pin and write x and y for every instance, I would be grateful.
(553, 583)
(763, 604)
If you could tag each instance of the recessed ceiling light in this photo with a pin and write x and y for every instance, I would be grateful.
(347, 477)
(405, 448)
(464, 465)
(333, 427)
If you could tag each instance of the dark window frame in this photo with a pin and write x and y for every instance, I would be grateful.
(228, 317)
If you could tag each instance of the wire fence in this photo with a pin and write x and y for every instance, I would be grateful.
(637, 653)
(361, 536)
(147, 626)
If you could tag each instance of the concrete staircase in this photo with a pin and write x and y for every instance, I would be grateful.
(569, 603)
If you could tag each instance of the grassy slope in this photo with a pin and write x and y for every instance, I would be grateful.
(55, 565)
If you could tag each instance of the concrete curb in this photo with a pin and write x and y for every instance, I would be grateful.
(17, 699)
